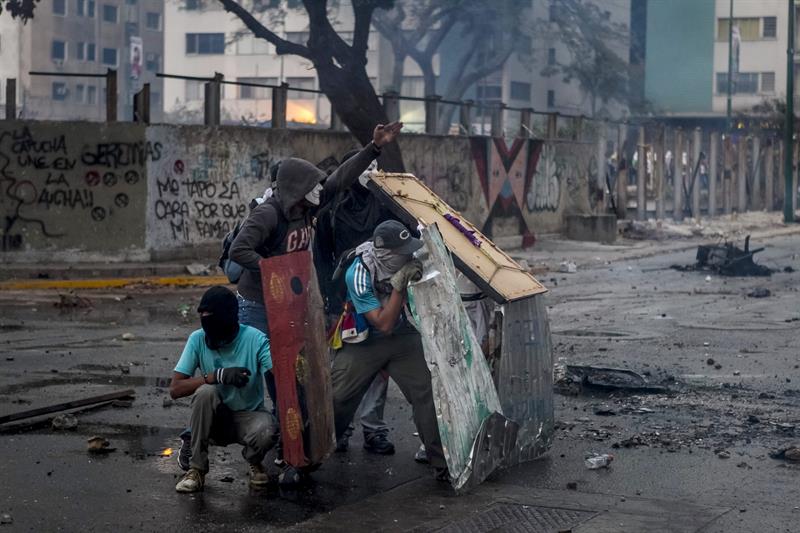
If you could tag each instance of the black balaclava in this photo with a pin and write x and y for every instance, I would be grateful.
(221, 324)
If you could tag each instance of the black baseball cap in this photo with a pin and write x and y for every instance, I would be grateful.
(396, 237)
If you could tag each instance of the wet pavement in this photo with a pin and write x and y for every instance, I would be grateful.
(635, 314)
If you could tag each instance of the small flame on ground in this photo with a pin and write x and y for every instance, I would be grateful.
(167, 452)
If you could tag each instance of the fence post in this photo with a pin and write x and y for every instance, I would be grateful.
(779, 191)
(212, 102)
(659, 166)
(741, 184)
(11, 99)
(713, 154)
(795, 149)
(497, 120)
(465, 116)
(391, 105)
(552, 125)
(279, 97)
(601, 168)
(577, 126)
(111, 95)
(525, 130)
(622, 170)
(769, 162)
(755, 193)
(677, 177)
(697, 141)
(432, 113)
(336, 122)
(141, 105)
(641, 177)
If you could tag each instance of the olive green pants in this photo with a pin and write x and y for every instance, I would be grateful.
(401, 356)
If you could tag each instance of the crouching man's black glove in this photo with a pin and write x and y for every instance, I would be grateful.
(237, 376)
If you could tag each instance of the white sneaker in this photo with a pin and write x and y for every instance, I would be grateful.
(192, 481)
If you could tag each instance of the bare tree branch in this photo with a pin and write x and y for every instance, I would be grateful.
(282, 46)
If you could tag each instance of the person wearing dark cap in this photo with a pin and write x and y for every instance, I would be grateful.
(341, 226)
(228, 395)
(376, 286)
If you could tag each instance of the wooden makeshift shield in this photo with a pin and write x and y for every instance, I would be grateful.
(299, 357)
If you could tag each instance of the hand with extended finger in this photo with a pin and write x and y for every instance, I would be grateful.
(411, 271)
(384, 134)
(237, 376)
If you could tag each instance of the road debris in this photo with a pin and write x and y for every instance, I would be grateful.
(788, 453)
(724, 454)
(65, 422)
(727, 260)
(39, 411)
(198, 269)
(759, 292)
(568, 267)
(99, 445)
(6, 518)
(72, 301)
(128, 336)
(595, 461)
(608, 379)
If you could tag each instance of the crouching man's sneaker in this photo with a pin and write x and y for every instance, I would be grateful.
(185, 451)
(258, 476)
(378, 443)
(192, 481)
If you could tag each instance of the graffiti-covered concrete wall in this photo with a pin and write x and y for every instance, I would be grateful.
(83, 191)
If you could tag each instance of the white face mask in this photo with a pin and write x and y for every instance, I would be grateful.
(365, 176)
(313, 195)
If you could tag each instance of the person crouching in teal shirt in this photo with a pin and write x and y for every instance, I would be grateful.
(228, 396)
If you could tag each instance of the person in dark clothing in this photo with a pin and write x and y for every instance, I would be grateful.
(283, 223)
(341, 226)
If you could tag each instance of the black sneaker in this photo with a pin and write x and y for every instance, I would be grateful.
(185, 451)
(441, 474)
(378, 443)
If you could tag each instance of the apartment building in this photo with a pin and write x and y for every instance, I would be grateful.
(84, 36)
(202, 39)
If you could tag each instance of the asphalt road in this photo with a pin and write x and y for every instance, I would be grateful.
(635, 314)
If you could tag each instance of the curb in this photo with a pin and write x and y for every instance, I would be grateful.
(113, 283)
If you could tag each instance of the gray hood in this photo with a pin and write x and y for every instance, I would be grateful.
(296, 178)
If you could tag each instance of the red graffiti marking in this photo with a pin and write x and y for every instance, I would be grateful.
(92, 178)
(178, 167)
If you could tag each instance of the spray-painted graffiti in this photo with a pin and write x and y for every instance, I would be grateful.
(54, 188)
(544, 194)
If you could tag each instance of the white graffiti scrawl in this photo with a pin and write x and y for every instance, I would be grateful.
(544, 193)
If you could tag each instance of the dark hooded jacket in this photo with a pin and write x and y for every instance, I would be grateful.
(282, 224)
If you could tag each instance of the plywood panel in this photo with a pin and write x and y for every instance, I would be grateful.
(484, 263)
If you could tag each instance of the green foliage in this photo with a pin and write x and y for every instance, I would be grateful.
(587, 31)
(20, 9)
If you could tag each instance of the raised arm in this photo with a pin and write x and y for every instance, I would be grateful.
(343, 177)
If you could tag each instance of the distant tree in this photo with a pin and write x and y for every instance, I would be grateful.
(587, 32)
(769, 115)
(488, 33)
(340, 66)
(20, 9)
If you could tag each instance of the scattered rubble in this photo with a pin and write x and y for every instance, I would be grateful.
(727, 260)
(65, 422)
(99, 445)
(577, 377)
(72, 301)
(6, 518)
(595, 461)
(198, 269)
(128, 336)
(788, 453)
(568, 267)
(759, 292)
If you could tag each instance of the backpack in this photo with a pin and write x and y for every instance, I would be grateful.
(351, 327)
(234, 270)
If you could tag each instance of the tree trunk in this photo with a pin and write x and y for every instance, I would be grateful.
(397, 70)
(353, 98)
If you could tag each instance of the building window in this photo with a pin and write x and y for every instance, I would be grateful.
(551, 56)
(152, 61)
(490, 92)
(767, 82)
(194, 90)
(297, 37)
(79, 93)
(60, 8)
(251, 45)
(59, 90)
(194, 5)
(91, 52)
(749, 28)
(90, 5)
(91, 94)
(153, 21)
(301, 83)
(520, 91)
(80, 51)
(205, 43)
(553, 11)
(256, 93)
(58, 52)
(551, 98)
(80, 8)
(770, 28)
(110, 57)
(743, 83)
(110, 13)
